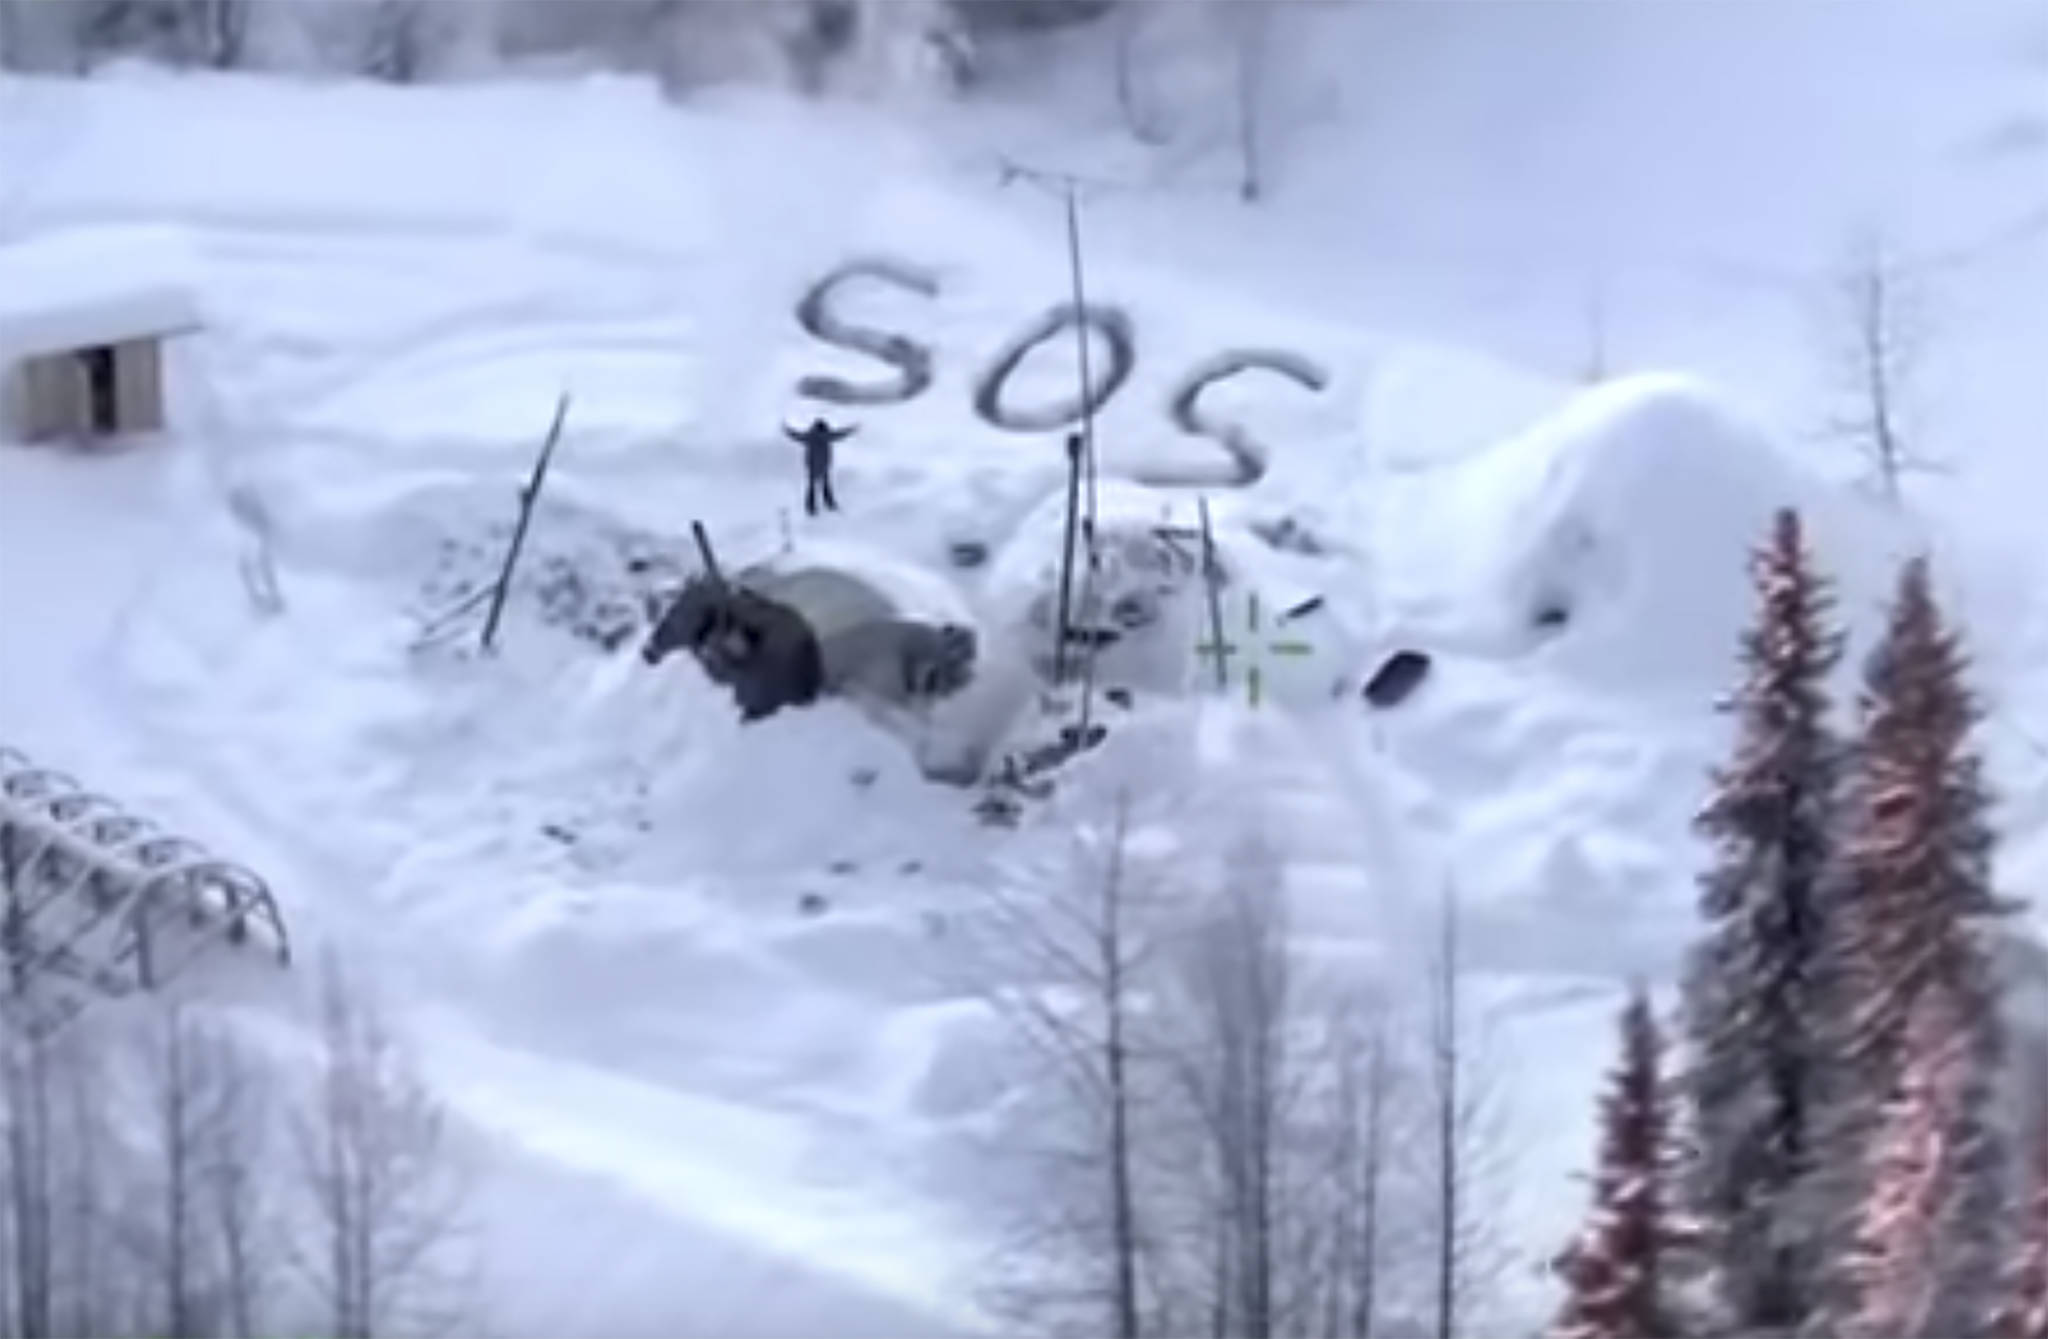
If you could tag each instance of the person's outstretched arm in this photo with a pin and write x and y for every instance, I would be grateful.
(841, 434)
(792, 434)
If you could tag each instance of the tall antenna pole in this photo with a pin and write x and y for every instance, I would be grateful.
(1074, 269)
(1081, 342)
(1068, 185)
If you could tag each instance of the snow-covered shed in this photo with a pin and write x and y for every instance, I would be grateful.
(87, 320)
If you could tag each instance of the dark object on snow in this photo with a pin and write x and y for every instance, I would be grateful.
(1396, 679)
(812, 904)
(843, 868)
(1552, 616)
(1120, 696)
(1289, 536)
(1075, 739)
(1303, 610)
(785, 637)
(762, 650)
(863, 777)
(1024, 776)
(1000, 808)
(817, 441)
(967, 553)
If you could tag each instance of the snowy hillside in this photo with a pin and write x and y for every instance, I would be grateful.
(699, 991)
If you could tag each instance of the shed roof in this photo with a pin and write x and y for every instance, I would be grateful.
(92, 286)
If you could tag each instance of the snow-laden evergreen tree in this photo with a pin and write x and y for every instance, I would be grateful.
(1912, 897)
(1617, 1284)
(1748, 997)
(2023, 1308)
(1912, 1260)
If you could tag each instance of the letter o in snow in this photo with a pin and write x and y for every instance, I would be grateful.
(1112, 323)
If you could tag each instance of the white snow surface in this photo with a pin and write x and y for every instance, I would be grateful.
(93, 286)
(579, 879)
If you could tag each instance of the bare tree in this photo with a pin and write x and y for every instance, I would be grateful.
(209, 33)
(1251, 25)
(1464, 1141)
(1364, 1099)
(219, 32)
(1079, 951)
(61, 1164)
(1883, 323)
(386, 1199)
(90, 1293)
(229, 1191)
(405, 41)
(199, 1253)
(1237, 1076)
(180, 1120)
(1140, 120)
(29, 1190)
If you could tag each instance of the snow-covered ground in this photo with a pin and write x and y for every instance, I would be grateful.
(581, 878)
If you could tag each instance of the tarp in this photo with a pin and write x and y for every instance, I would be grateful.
(781, 637)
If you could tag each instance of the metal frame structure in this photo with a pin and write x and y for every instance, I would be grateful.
(98, 897)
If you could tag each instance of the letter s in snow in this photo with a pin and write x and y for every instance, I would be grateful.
(912, 360)
(1248, 458)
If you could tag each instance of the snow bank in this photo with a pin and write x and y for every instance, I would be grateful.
(1610, 541)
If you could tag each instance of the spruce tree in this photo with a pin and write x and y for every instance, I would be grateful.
(1748, 998)
(1913, 884)
(2023, 1311)
(1617, 1285)
(1911, 1260)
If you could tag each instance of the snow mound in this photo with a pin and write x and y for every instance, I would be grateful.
(1615, 535)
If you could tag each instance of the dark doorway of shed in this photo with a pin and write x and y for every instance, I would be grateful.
(103, 405)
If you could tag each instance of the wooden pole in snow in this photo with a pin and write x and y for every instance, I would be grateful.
(1212, 575)
(527, 497)
(1064, 631)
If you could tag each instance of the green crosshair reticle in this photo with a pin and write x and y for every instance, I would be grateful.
(1220, 649)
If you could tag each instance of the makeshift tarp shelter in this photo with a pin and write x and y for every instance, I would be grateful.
(783, 637)
(86, 323)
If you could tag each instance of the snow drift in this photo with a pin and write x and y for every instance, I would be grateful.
(1609, 542)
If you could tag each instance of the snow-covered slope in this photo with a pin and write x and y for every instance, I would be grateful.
(693, 984)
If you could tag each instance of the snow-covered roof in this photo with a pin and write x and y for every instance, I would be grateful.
(94, 286)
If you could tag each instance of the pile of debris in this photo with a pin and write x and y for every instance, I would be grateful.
(602, 584)
(1028, 773)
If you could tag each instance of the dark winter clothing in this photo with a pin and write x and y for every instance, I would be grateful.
(817, 441)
